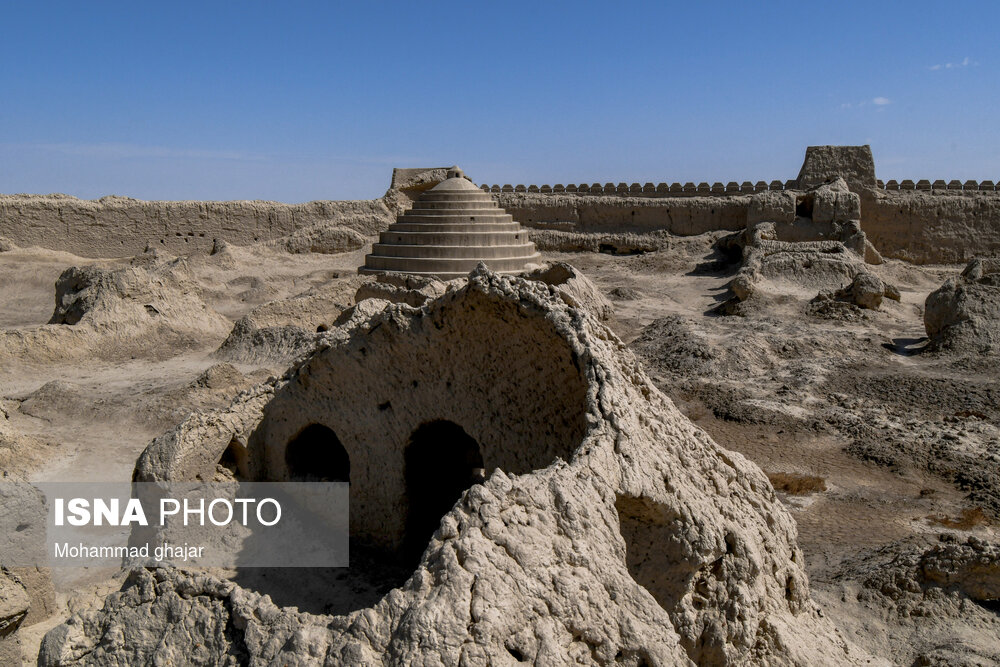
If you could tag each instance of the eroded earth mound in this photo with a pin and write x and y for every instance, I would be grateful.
(941, 597)
(797, 241)
(601, 526)
(280, 330)
(114, 313)
(964, 313)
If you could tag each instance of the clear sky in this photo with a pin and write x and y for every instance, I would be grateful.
(295, 101)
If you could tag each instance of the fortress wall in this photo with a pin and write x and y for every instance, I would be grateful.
(121, 227)
(920, 221)
(732, 188)
(932, 227)
(925, 227)
(689, 189)
(682, 216)
(939, 185)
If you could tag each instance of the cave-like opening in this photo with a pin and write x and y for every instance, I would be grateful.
(441, 461)
(316, 455)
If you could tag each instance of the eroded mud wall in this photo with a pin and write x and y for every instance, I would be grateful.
(121, 227)
(681, 215)
(923, 222)
(933, 227)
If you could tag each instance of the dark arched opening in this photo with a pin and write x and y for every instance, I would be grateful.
(234, 459)
(804, 206)
(442, 461)
(316, 455)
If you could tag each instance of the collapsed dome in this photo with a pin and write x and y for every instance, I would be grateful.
(555, 496)
(451, 229)
(422, 407)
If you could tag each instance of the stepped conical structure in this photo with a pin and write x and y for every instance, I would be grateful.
(450, 229)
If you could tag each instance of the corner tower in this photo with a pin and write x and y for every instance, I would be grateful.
(450, 229)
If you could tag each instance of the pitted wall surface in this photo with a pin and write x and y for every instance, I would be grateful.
(122, 227)
(510, 380)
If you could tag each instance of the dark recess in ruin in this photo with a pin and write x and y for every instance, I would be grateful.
(316, 455)
(441, 461)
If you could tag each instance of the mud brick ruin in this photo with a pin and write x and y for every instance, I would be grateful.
(744, 423)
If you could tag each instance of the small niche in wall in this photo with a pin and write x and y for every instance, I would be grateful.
(804, 206)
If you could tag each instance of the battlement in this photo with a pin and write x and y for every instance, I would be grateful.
(940, 185)
(853, 163)
(688, 189)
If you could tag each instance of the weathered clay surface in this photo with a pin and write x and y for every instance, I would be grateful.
(14, 603)
(775, 266)
(837, 384)
(413, 290)
(687, 216)
(964, 313)
(796, 240)
(855, 164)
(407, 185)
(865, 292)
(612, 244)
(574, 288)
(825, 212)
(417, 178)
(17, 450)
(249, 344)
(118, 312)
(280, 330)
(616, 531)
(14, 606)
(121, 226)
(26, 593)
(940, 597)
(938, 227)
(969, 570)
(328, 238)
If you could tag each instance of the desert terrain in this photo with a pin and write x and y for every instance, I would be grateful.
(757, 442)
(881, 449)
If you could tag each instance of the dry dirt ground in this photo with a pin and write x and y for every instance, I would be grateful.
(880, 450)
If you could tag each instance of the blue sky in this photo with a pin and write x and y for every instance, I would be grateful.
(295, 101)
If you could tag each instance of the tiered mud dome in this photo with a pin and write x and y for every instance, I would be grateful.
(450, 229)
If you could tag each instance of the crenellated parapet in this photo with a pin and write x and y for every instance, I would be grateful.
(718, 188)
(940, 185)
(649, 189)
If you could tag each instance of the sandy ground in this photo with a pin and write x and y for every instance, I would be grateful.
(830, 399)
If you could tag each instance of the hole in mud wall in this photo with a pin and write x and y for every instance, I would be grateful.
(234, 459)
(658, 561)
(989, 605)
(440, 462)
(316, 455)
(516, 653)
(804, 207)
(651, 549)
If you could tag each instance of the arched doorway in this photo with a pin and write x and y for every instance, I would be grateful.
(441, 461)
(316, 455)
(234, 459)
